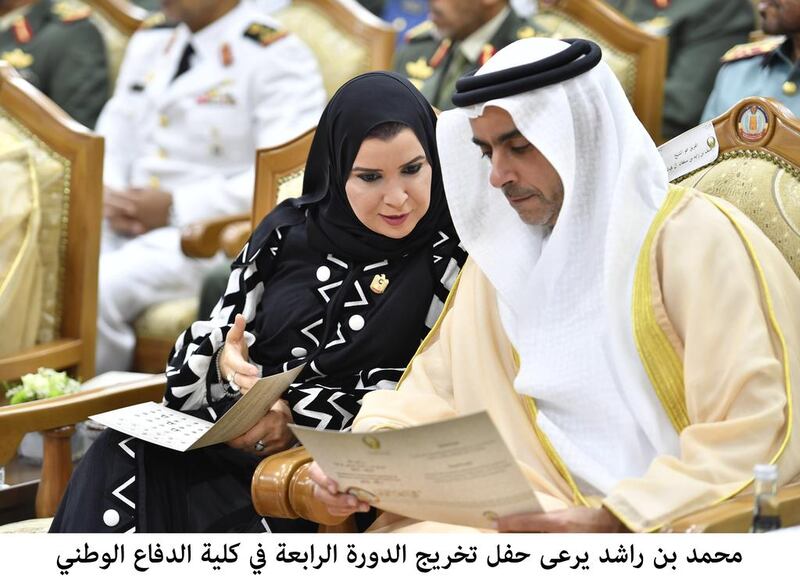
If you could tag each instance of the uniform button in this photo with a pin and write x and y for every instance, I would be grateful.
(789, 88)
(299, 352)
(155, 182)
(162, 153)
(163, 121)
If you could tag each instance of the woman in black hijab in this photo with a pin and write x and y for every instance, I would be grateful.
(346, 279)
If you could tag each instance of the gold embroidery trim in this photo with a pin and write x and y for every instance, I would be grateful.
(660, 361)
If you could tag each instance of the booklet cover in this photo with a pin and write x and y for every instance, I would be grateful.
(457, 471)
(163, 426)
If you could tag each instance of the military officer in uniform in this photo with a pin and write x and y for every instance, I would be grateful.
(55, 47)
(699, 31)
(461, 35)
(770, 67)
(193, 103)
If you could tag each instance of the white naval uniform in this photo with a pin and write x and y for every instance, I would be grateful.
(196, 137)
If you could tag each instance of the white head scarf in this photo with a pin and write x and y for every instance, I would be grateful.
(565, 295)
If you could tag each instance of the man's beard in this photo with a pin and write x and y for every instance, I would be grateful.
(513, 192)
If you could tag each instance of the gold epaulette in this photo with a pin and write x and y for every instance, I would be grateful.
(264, 34)
(68, 11)
(417, 31)
(763, 46)
(526, 31)
(156, 20)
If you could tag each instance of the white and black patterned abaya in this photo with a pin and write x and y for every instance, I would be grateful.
(303, 285)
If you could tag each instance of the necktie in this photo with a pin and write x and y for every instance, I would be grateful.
(185, 62)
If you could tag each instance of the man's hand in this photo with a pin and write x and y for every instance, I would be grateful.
(233, 360)
(327, 492)
(572, 520)
(136, 211)
(272, 431)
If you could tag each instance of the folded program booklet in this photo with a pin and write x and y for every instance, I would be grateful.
(457, 471)
(163, 426)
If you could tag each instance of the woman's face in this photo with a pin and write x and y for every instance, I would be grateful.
(389, 187)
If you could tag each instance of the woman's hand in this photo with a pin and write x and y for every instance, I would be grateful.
(271, 434)
(327, 492)
(233, 360)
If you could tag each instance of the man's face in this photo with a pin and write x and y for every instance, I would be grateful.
(188, 10)
(457, 19)
(530, 183)
(780, 16)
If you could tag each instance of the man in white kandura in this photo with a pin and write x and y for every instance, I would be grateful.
(634, 342)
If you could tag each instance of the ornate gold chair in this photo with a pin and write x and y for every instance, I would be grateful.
(758, 170)
(638, 58)
(50, 170)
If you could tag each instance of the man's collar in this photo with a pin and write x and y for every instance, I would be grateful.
(207, 42)
(472, 46)
(781, 54)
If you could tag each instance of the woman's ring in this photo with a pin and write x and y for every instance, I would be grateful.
(259, 446)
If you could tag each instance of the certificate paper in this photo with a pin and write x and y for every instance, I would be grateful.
(457, 471)
(163, 426)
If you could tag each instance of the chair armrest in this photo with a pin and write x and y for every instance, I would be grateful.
(234, 236)
(736, 515)
(60, 353)
(19, 419)
(283, 489)
(202, 239)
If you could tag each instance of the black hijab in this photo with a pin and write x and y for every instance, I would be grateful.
(357, 107)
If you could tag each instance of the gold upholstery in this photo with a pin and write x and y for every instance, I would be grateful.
(623, 64)
(21, 271)
(637, 58)
(51, 175)
(765, 187)
(290, 186)
(346, 39)
(167, 319)
(116, 20)
(761, 178)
